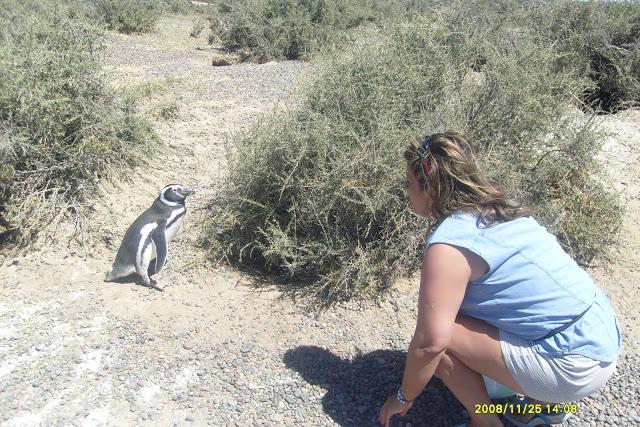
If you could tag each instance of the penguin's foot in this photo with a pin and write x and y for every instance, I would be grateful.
(155, 285)
(151, 283)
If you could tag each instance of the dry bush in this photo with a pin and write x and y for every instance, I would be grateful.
(263, 30)
(61, 128)
(315, 196)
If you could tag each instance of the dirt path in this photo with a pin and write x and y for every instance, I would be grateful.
(77, 351)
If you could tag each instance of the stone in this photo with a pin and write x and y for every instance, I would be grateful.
(220, 61)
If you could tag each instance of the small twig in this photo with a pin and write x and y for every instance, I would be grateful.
(545, 155)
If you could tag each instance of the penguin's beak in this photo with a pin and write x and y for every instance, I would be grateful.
(187, 191)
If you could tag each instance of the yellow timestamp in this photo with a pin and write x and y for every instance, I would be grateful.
(526, 408)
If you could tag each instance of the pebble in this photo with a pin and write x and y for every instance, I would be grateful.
(246, 348)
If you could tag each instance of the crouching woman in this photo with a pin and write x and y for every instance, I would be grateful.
(498, 296)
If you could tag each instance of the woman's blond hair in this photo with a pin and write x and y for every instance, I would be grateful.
(446, 168)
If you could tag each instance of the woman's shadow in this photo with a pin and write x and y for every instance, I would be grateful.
(357, 388)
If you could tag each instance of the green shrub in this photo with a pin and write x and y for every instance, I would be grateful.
(61, 128)
(314, 196)
(598, 39)
(286, 29)
(128, 16)
(177, 6)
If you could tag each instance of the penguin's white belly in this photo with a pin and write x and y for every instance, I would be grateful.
(146, 249)
(149, 254)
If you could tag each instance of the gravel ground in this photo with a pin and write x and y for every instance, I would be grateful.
(102, 371)
(167, 379)
(210, 350)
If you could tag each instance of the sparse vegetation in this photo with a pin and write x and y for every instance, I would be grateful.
(168, 110)
(598, 39)
(61, 128)
(154, 87)
(314, 196)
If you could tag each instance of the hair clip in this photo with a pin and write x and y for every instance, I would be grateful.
(425, 144)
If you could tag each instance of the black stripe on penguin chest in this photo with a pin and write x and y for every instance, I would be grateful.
(177, 217)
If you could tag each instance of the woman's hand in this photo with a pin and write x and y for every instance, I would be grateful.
(391, 407)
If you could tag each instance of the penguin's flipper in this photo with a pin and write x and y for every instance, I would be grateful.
(159, 238)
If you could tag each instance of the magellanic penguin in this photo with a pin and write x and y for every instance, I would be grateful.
(148, 238)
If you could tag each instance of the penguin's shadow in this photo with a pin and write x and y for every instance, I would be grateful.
(357, 388)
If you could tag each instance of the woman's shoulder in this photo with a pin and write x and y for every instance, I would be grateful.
(460, 218)
(456, 227)
(469, 227)
(462, 221)
(473, 222)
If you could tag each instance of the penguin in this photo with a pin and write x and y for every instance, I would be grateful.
(148, 238)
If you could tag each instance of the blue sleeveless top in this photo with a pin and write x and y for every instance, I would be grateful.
(533, 288)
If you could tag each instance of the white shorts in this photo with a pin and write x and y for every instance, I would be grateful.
(553, 379)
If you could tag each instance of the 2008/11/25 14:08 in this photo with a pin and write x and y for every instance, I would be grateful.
(526, 408)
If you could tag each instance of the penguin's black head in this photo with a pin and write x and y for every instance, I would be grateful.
(175, 194)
